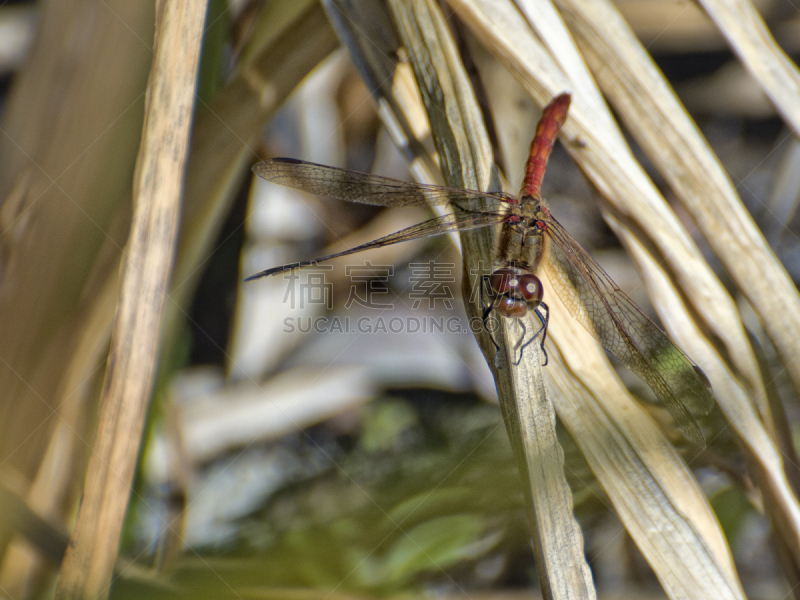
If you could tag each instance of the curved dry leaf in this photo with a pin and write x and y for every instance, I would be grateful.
(764, 459)
(661, 125)
(749, 37)
(672, 141)
(158, 182)
(648, 483)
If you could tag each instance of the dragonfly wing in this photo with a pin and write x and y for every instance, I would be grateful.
(363, 188)
(460, 221)
(592, 297)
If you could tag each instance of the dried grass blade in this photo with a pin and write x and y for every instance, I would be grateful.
(645, 479)
(764, 459)
(660, 124)
(749, 37)
(89, 562)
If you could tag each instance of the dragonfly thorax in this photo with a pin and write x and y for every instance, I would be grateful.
(515, 291)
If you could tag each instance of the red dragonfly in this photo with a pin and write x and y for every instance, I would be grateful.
(528, 236)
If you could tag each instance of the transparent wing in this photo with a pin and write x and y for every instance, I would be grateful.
(461, 221)
(593, 298)
(363, 188)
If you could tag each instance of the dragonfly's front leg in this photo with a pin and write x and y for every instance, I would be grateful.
(487, 310)
(544, 319)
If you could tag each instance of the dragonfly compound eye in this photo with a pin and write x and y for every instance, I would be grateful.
(511, 307)
(504, 281)
(531, 289)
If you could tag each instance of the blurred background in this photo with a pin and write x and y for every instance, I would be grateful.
(288, 449)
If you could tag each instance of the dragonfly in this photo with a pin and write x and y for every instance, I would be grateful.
(529, 236)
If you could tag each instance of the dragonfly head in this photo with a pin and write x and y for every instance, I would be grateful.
(515, 291)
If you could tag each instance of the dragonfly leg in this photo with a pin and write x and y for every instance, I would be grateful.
(519, 344)
(487, 310)
(488, 330)
(544, 319)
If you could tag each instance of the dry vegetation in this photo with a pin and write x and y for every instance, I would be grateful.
(337, 463)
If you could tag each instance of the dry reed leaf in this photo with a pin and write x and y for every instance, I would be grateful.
(58, 480)
(61, 182)
(671, 26)
(662, 127)
(660, 124)
(89, 562)
(749, 37)
(656, 497)
(269, 80)
(557, 536)
(764, 458)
